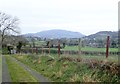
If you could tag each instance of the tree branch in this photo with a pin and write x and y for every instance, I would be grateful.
(7, 24)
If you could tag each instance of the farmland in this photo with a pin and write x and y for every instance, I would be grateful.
(75, 48)
(60, 62)
(46, 43)
(90, 49)
(66, 68)
(91, 65)
(69, 67)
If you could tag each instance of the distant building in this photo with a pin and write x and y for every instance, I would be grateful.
(72, 42)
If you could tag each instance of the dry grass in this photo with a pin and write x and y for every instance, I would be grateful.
(74, 78)
(87, 78)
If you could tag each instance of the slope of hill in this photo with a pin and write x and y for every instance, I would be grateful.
(99, 39)
(56, 33)
(103, 35)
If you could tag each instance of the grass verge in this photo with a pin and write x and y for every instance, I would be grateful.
(64, 70)
(18, 73)
(0, 67)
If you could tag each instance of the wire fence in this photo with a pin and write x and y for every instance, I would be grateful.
(71, 52)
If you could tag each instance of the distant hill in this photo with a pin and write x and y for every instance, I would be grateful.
(56, 33)
(99, 39)
(103, 35)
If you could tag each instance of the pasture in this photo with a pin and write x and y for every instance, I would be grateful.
(75, 48)
(90, 49)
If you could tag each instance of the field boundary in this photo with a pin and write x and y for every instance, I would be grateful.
(33, 50)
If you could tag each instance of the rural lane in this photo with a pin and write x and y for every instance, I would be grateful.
(5, 73)
(34, 73)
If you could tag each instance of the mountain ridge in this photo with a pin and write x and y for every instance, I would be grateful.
(59, 33)
(56, 33)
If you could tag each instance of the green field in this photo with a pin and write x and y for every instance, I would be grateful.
(75, 48)
(62, 70)
(90, 49)
(40, 43)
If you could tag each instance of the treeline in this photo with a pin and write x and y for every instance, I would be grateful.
(85, 41)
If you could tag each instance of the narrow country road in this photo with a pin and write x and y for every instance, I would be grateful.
(5, 73)
(34, 73)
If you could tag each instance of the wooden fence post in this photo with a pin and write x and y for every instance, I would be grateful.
(58, 49)
(36, 50)
(42, 50)
(107, 46)
(32, 50)
(79, 46)
(49, 47)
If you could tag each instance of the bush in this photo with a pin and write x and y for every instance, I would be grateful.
(4, 51)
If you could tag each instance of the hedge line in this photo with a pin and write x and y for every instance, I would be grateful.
(67, 52)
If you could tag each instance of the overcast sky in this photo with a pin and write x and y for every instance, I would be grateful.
(85, 16)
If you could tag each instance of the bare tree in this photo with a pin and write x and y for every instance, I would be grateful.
(8, 25)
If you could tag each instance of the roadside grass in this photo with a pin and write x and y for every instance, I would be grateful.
(100, 58)
(53, 70)
(18, 73)
(61, 70)
(0, 67)
(111, 58)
